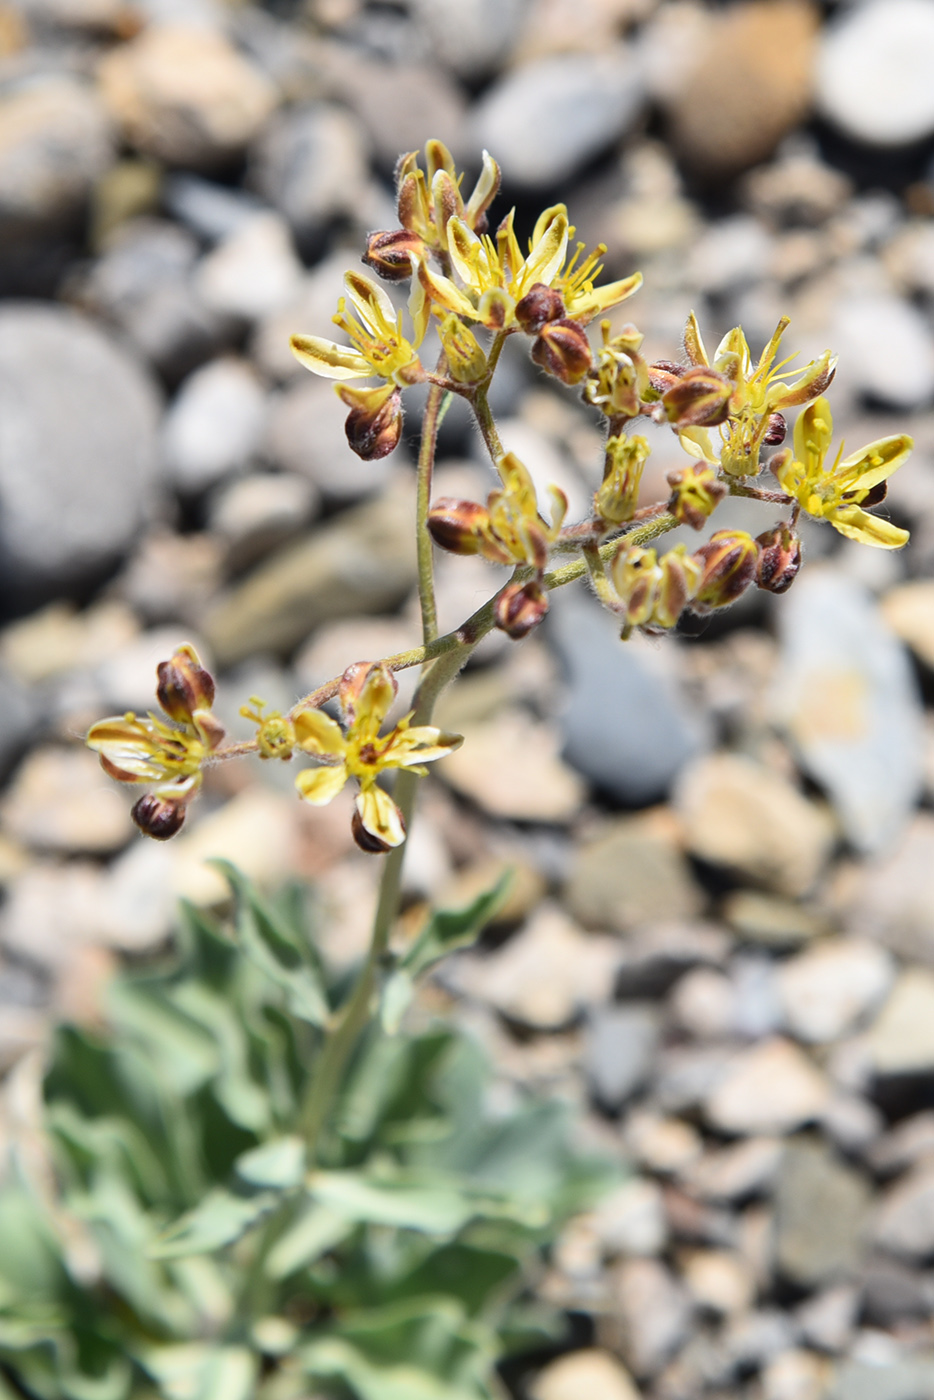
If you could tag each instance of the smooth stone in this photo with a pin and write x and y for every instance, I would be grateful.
(911, 1379)
(889, 348)
(849, 702)
(893, 897)
(770, 1088)
(306, 435)
(749, 818)
(260, 512)
(55, 141)
(78, 448)
(619, 1049)
(311, 163)
(549, 117)
(60, 801)
(820, 1213)
(703, 1003)
(826, 990)
(767, 919)
(252, 273)
(631, 874)
(796, 1375)
(511, 767)
(653, 1311)
(631, 1220)
(185, 95)
(215, 424)
(362, 561)
(634, 759)
(594, 1373)
(472, 38)
(828, 1319)
(903, 1145)
(873, 72)
(127, 678)
(730, 254)
(904, 1221)
(719, 1280)
(398, 102)
(893, 1293)
(211, 211)
(657, 954)
(309, 310)
(730, 1174)
(172, 576)
(901, 1038)
(909, 611)
(662, 1145)
(256, 831)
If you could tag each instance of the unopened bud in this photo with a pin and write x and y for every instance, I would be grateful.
(615, 500)
(699, 399)
(458, 526)
(728, 560)
(680, 580)
(465, 357)
(775, 431)
(540, 305)
(366, 839)
(562, 349)
(519, 608)
(390, 253)
(664, 373)
(636, 577)
(695, 494)
(157, 817)
(779, 559)
(184, 686)
(374, 423)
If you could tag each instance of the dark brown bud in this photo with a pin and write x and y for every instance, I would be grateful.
(776, 430)
(779, 559)
(562, 349)
(158, 818)
(729, 559)
(458, 526)
(539, 306)
(519, 608)
(700, 398)
(876, 494)
(374, 433)
(390, 252)
(184, 685)
(365, 839)
(663, 373)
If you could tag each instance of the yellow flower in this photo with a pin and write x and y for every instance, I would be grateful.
(275, 734)
(378, 344)
(838, 493)
(619, 380)
(653, 591)
(508, 529)
(361, 753)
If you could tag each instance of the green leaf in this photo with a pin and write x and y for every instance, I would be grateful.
(337, 1359)
(449, 929)
(313, 1234)
(436, 1210)
(198, 1371)
(279, 1164)
(184, 1053)
(220, 1219)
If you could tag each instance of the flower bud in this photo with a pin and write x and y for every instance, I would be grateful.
(465, 357)
(664, 373)
(540, 305)
(775, 431)
(779, 559)
(728, 560)
(368, 840)
(615, 500)
(374, 423)
(157, 817)
(184, 686)
(695, 494)
(519, 608)
(390, 253)
(562, 349)
(681, 576)
(636, 576)
(365, 684)
(699, 399)
(458, 526)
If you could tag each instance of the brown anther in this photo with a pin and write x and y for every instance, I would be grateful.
(157, 817)
(562, 349)
(540, 305)
(373, 434)
(779, 559)
(776, 430)
(519, 608)
(390, 253)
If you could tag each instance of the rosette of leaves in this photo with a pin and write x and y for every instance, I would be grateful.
(183, 1247)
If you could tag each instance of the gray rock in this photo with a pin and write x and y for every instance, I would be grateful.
(311, 163)
(911, 1379)
(730, 254)
(17, 715)
(820, 1212)
(828, 1320)
(252, 273)
(211, 211)
(398, 103)
(893, 1293)
(549, 117)
(893, 899)
(259, 513)
(904, 1223)
(826, 990)
(873, 69)
(55, 141)
(625, 726)
(215, 425)
(770, 1088)
(471, 37)
(78, 452)
(654, 1312)
(619, 1048)
(630, 875)
(849, 701)
(901, 1039)
(306, 435)
(889, 348)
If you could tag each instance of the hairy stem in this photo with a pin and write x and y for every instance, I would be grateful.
(424, 546)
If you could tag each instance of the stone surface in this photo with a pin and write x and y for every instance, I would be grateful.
(770, 1088)
(849, 702)
(594, 1373)
(909, 611)
(901, 1039)
(828, 1319)
(703, 1003)
(548, 117)
(185, 95)
(215, 424)
(771, 921)
(260, 512)
(256, 830)
(654, 1313)
(796, 1375)
(306, 435)
(749, 818)
(735, 1172)
(631, 1219)
(510, 766)
(311, 163)
(619, 1049)
(872, 72)
(61, 801)
(719, 1280)
(55, 141)
(820, 1214)
(904, 1221)
(471, 37)
(631, 874)
(253, 273)
(626, 727)
(893, 897)
(890, 356)
(77, 428)
(827, 989)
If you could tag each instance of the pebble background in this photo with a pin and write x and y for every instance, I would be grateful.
(720, 940)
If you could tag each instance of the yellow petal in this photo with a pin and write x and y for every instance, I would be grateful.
(319, 786)
(326, 358)
(816, 378)
(694, 342)
(317, 733)
(419, 309)
(376, 696)
(734, 343)
(372, 303)
(484, 191)
(444, 292)
(548, 253)
(423, 744)
(438, 157)
(381, 816)
(591, 303)
(468, 255)
(859, 525)
(873, 464)
(813, 433)
(545, 218)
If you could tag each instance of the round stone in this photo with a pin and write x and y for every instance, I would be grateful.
(874, 72)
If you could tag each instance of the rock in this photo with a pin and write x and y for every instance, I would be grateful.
(892, 1379)
(828, 1320)
(749, 818)
(662, 1145)
(626, 727)
(306, 435)
(872, 72)
(755, 1338)
(730, 254)
(685, 1075)
(736, 83)
(619, 1050)
(78, 459)
(893, 898)
(55, 141)
(631, 1220)
(61, 801)
(252, 273)
(549, 117)
(544, 976)
(126, 677)
(215, 425)
(594, 1373)
(776, 923)
(310, 310)
(472, 38)
(511, 768)
(755, 995)
(704, 1003)
(335, 646)
(653, 1312)
(827, 989)
(525, 892)
(719, 1280)
(851, 1122)
(770, 1088)
(185, 95)
(311, 163)
(362, 561)
(893, 1293)
(896, 338)
(656, 955)
(909, 611)
(172, 576)
(211, 211)
(261, 512)
(399, 102)
(797, 188)
(820, 1213)
(256, 830)
(901, 1039)
(907, 1143)
(631, 874)
(58, 639)
(17, 715)
(796, 1375)
(904, 1223)
(733, 1173)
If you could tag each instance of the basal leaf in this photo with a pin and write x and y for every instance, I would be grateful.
(220, 1219)
(279, 1164)
(316, 1231)
(448, 929)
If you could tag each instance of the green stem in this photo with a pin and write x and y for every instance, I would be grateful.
(424, 546)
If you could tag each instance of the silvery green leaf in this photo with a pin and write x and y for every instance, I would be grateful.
(448, 929)
(313, 1234)
(280, 1163)
(219, 1220)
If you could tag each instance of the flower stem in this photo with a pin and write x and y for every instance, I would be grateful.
(424, 546)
